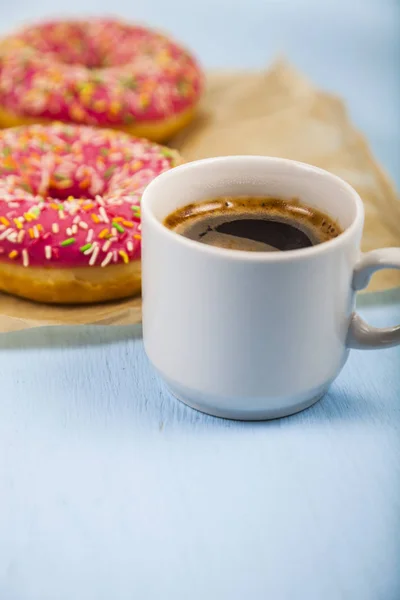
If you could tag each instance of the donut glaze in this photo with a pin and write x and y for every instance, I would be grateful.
(70, 198)
(100, 72)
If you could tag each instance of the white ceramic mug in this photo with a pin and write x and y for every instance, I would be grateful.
(252, 335)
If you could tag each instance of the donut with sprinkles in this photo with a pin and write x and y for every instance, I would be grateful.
(70, 229)
(100, 72)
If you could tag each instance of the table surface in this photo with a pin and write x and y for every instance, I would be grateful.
(110, 489)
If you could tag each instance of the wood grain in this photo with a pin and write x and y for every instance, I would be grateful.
(111, 488)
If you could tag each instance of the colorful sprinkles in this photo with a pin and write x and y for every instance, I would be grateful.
(59, 222)
(99, 72)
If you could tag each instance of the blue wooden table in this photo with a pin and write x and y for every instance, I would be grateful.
(112, 490)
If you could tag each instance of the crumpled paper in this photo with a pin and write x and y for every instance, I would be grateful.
(277, 113)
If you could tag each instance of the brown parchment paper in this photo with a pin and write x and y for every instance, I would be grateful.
(278, 113)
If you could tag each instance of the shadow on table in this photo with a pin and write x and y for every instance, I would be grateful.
(335, 407)
(72, 337)
(348, 400)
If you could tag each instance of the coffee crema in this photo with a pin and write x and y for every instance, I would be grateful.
(255, 224)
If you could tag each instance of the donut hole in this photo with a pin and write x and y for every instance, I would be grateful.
(65, 42)
(61, 194)
(77, 170)
(96, 46)
(53, 185)
(77, 187)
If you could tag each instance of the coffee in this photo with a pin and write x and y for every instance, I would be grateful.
(253, 224)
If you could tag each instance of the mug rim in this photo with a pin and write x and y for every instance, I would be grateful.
(246, 255)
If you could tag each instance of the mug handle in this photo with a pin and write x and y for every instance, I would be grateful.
(361, 335)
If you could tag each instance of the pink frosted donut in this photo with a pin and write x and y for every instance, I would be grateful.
(70, 211)
(100, 72)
